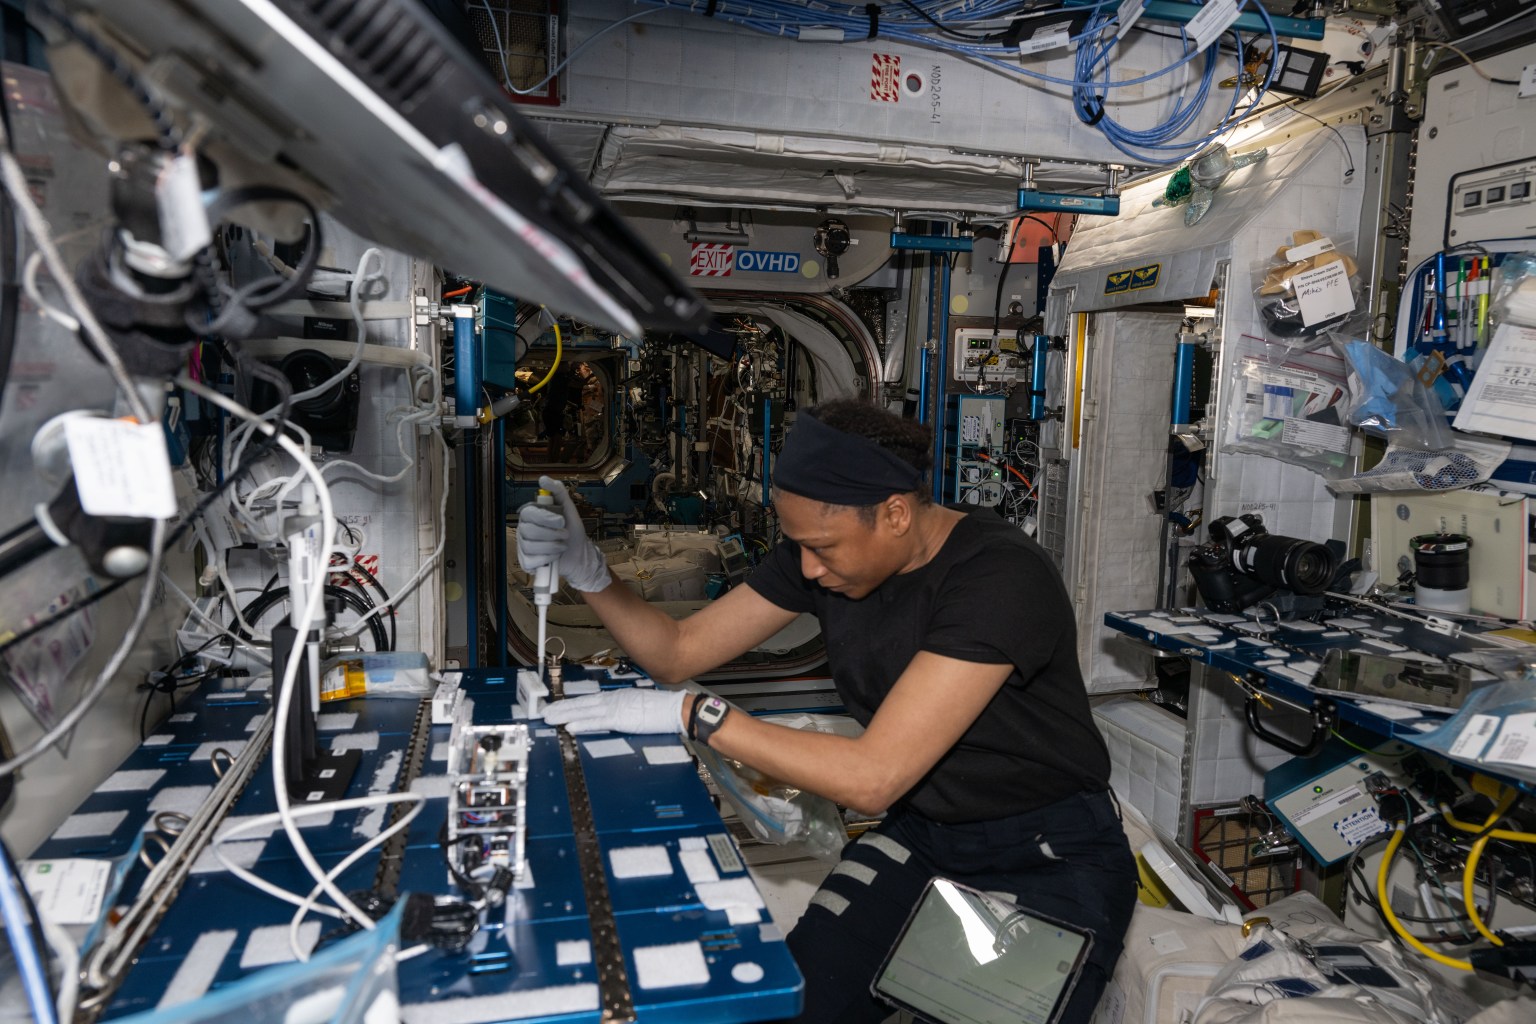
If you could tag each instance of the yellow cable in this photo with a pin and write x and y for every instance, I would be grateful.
(552, 366)
(1512, 837)
(1468, 879)
(1398, 832)
(1505, 803)
(1469, 873)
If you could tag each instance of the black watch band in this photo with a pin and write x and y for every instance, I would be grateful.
(708, 714)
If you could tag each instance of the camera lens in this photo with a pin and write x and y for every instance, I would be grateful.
(1299, 566)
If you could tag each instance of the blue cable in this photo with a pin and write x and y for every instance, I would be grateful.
(29, 959)
(1095, 46)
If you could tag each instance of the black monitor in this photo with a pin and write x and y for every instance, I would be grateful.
(406, 138)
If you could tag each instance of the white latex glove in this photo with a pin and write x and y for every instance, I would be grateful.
(553, 534)
(632, 710)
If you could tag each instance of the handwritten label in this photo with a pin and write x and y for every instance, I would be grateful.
(121, 468)
(1324, 293)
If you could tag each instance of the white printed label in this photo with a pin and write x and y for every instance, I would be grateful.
(1324, 293)
(1326, 437)
(1474, 737)
(1330, 806)
(68, 892)
(1129, 13)
(1214, 19)
(1360, 826)
(1052, 40)
(121, 468)
(1308, 250)
(1516, 743)
(1278, 116)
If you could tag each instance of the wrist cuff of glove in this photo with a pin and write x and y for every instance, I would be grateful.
(603, 582)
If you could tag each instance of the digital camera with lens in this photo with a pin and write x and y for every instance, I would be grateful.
(1244, 563)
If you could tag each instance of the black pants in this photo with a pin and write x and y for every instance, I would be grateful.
(1068, 860)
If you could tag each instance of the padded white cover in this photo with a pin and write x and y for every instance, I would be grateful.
(1146, 753)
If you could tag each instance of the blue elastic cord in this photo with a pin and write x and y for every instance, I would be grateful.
(29, 959)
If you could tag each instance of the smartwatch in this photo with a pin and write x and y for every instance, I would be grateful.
(708, 713)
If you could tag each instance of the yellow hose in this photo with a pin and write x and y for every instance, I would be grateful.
(1468, 880)
(1398, 831)
(552, 366)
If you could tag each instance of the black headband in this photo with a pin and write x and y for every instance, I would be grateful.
(829, 465)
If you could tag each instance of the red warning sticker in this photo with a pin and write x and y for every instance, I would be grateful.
(885, 77)
(711, 259)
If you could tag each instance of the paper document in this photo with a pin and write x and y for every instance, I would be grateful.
(1503, 395)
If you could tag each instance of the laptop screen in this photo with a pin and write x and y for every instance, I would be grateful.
(968, 957)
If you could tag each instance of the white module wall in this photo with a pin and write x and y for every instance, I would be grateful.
(870, 122)
(1471, 123)
(1122, 459)
(398, 521)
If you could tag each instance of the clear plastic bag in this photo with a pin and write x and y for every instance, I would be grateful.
(1387, 399)
(774, 811)
(1310, 286)
(1288, 404)
(1514, 290)
(1466, 462)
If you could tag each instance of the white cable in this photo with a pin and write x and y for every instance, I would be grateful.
(426, 566)
(383, 837)
(425, 411)
(42, 235)
(221, 569)
(305, 811)
(360, 278)
(220, 628)
(29, 285)
(284, 689)
(110, 669)
(68, 956)
(1498, 25)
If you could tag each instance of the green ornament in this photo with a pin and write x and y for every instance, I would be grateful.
(1179, 187)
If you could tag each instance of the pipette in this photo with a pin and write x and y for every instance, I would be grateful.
(546, 580)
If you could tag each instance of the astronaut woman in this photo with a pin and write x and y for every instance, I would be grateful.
(950, 637)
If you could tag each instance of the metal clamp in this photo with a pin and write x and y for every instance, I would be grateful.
(1324, 716)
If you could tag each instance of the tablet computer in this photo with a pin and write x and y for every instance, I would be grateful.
(969, 957)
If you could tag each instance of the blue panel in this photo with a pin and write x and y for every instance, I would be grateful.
(514, 958)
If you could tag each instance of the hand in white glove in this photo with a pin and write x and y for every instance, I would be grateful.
(632, 710)
(553, 534)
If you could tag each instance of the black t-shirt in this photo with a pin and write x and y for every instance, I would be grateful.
(990, 595)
